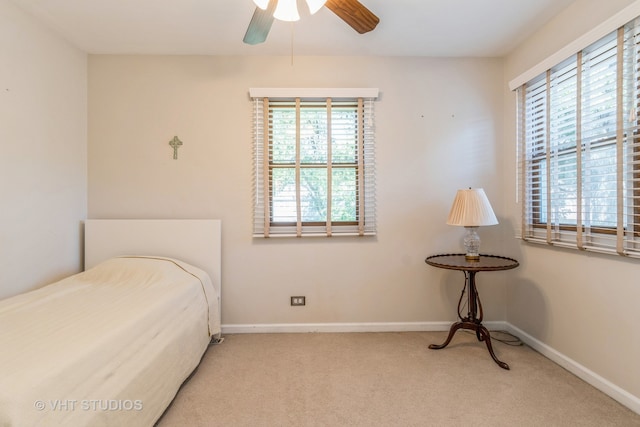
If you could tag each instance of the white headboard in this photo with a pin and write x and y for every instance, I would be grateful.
(194, 241)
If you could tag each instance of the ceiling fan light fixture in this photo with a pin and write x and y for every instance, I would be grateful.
(315, 5)
(352, 12)
(262, 4)
(286, 10)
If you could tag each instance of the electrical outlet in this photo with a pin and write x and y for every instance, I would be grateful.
(298, 300)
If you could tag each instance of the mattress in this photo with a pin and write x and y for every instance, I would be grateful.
(109, 346)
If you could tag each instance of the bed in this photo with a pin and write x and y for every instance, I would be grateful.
(112, 345)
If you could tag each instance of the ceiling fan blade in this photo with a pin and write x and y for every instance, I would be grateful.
(260, 24)
(354, 13)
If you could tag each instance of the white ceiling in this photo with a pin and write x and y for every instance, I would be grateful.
(216, 27)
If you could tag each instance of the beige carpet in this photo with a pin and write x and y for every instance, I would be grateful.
(384, 379)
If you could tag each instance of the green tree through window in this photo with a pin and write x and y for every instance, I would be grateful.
(313, 150)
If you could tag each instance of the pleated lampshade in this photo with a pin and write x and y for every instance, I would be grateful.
(471, 208)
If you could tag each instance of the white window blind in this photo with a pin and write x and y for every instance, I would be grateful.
(579, 151)
(314, 166)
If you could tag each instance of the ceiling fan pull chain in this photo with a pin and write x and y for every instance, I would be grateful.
(292, 44)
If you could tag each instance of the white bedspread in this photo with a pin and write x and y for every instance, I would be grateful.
(109, 346)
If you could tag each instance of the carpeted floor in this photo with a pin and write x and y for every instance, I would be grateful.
(384, 379)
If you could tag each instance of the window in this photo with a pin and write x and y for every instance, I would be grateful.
(579, 148)
(314, 165)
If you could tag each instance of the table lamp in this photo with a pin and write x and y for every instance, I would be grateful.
(471, 209)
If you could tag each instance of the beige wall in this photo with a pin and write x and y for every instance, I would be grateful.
(43, 179)
(439, 127)
(582, 305)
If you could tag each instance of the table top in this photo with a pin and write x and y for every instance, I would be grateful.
(459, 262)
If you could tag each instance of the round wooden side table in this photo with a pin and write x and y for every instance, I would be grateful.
(473, 318)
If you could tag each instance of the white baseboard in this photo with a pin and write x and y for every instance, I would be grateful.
(624, 397)
(346, 327)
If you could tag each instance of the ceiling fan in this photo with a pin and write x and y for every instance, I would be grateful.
(354, 13)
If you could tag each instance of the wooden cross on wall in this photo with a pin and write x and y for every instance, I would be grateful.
(175, 143)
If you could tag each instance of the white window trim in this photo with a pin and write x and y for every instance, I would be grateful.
(616, 21)
(288, 93)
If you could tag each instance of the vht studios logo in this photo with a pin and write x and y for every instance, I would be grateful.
(88, 405)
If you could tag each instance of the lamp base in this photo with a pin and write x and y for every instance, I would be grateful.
(472, 244)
